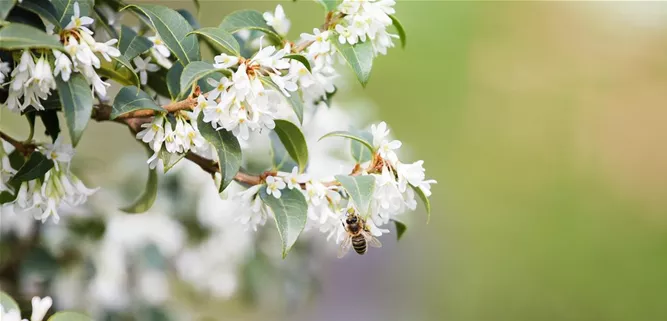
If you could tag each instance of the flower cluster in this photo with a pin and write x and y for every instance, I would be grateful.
(180, 138)
(42, 197)
(367, 19)
(39, 308)
(242, 103)
(33, 78)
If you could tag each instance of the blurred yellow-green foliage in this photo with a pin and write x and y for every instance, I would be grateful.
(545, 125)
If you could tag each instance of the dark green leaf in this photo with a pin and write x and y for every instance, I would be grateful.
(193, 72)
(6, 197)
(174, 80)
(131, 44)
(329, 5)
(281, 159)
(69, 316)
(51, 123)
(7, 302)
(122, 76)
(400, 29)
(293, 100)
(65, 9)
(5, 7)
(359, 57)
(19, 36)
(145, 201)
(23, 16)
(352, 136)
(16, 159)
(227, 147)
(77, 101)
(360, 189)
(248, 19)
(400, 229)
(43, 8)
(158, 81)
(173, 29)
(290, 213)
(220, 38)
(424, 198)
(359, 151)
(169, 160)
(31, 123)
(300, 58)
(295, 144)
(36, 166)
(190, 18)
(130, 99)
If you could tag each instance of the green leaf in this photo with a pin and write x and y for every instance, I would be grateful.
(51, 123)
(174, 81)
(169, 160)
(190, 18)
(36, 166)
(16, 159)
(248, 19)
(220, 38)
(158, 81)
(300, 58)
(131, 44)
(329, 5)
(290, 212)
(193, 72)
(65, 10)
(346, 134)
(130, 99)
(122, 76)
(5, 7)
(77, 101)
(145, 201)
(359, 57)
(126, 63)
(173, 29)
(424, 198)
(19, 36)
(43, 8)
(359, 151)
(227, 147)
(293, 100)
(294, 141)
(31, 123)
(69, 316)
(400, 229)
(401, 31)
(8, 303)
(281, 159)
(6, 197)
(360, 189)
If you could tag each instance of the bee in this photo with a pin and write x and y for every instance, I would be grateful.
(358, 235)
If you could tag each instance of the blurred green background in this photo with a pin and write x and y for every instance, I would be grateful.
(545, 125)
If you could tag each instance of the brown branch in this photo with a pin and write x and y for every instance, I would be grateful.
(103, 112)
(23, 148)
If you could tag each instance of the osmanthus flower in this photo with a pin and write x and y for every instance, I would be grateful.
(252, 211)
(294, 179)
(224, 61)
(39, 307)
(385, 146)
(4, 71)
(79, 22)
(367, 21)
(143, 67)
(278, 20)
(274, 185)
(9, 315)
(59, 152)
(63, 65)
(321, 43)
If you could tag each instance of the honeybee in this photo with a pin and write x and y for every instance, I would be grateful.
(358, 235)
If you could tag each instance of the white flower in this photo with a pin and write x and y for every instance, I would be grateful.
(315, 192)
(63, 65)
(294, 179)
(238, 123)
(412, 174)
(59, 152)
(159, 45)
(153, 132)
(219, 87)
(43, 76)
(224, 61)
(106, 49)
(40, 306)
(143, 67)
(172, 142)
(79, 22)
(4, 71)
(9, 315)
(274, 185)
(278, 21)
(379, 132)
(345, 36)
(320, 40)
(387, 148)
(387, 194)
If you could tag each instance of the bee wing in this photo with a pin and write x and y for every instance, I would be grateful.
(344, 247)
(371, 240)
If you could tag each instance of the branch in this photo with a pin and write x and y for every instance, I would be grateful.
(103, 112)
(23, 148)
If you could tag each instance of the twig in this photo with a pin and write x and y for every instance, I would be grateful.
(103, 112)
(23, 148)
